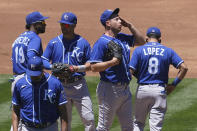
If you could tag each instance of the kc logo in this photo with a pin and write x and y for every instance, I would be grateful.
(66, 17)
(49, 95)
(76, 53)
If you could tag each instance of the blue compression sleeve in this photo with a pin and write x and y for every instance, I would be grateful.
(176, 81)
(46, 64)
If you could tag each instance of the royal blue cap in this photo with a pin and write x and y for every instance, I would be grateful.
(68, 18)
(35, 66)
(153, 30)
(35, 17)
(106, 15)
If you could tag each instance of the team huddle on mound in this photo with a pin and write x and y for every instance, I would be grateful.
(39, 98)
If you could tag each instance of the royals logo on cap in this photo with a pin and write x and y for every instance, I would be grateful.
(35, 66)
(153, 30)
(68, 18)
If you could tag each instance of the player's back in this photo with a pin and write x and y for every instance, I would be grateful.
(154, 60)
(19, 52)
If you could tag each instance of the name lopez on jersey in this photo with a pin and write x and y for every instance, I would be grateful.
(153, 51)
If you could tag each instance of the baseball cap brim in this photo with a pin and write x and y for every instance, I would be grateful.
(44, 18)
(33, 73)
(64, 22)
(115, 12)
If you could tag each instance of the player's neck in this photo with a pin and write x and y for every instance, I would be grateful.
(110, 33)
(152, 40)
(32, 29)
(69, 36)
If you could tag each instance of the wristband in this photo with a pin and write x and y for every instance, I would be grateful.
(176, 81)
(81, 68)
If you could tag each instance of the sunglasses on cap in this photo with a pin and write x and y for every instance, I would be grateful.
(40, 22)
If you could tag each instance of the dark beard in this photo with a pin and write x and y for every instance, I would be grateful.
(40, 29)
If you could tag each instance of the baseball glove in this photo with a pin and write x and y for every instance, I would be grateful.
(114, 50)
(62, 71)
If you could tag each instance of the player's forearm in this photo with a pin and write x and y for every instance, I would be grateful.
(98, 67)
(64, 125)
(47, 65)
(15, 119)
(82, 68)
(64, 117)
(182, 72)
(139, 38)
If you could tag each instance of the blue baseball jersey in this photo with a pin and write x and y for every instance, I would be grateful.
(73, 52)
(151, 63)
(27, 41)
(39, 102)
(118, 73)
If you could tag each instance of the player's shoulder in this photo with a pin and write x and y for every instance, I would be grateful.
(103, 40)
(123, 35)
(29, 34)
(33, 35)
(167, 48)
(55, 40)
(81, 40)
(140, 47)
(21, 82)
(52, 79)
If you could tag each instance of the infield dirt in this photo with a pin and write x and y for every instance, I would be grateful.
(176, 18)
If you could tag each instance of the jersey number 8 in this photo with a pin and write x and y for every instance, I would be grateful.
(153, 65)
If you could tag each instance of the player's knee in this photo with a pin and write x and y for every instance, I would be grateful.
(102, 128)
(127, 127)
(138, 126)
(88, 119)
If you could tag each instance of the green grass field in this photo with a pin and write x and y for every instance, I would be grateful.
(181, 114)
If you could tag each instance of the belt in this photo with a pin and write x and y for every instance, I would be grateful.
(119, 83)
(73, 79)
(37, 125)
(159, 84)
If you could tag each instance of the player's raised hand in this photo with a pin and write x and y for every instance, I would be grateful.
(126, 23)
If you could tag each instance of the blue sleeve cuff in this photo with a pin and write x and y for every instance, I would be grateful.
(176, 81)
(47, 65)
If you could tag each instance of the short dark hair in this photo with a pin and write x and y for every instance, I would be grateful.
(153, 35)
(27, 27)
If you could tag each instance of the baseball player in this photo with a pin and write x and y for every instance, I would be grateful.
(70, 48)
(38, 100)
(114, 96)
(150, 64)
(28, 44)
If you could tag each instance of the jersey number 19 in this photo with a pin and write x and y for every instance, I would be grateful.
(19, 55)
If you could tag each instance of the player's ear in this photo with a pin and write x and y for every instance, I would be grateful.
(146, 39)
(159, 40)
(107, 23)
(74, 25)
